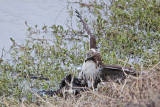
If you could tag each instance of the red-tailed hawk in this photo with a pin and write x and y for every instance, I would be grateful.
(93, 70)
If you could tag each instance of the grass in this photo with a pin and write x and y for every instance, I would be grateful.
(126, 33)
(134, 91)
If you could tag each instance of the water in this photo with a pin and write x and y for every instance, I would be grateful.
(13, 15)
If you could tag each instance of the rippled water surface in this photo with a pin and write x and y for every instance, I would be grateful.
(14, 13)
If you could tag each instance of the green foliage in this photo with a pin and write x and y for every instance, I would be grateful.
(127, 32)
(126, 29)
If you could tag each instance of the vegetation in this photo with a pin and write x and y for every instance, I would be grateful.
(127, 33)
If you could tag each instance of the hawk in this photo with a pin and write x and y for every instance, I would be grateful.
(93, 70)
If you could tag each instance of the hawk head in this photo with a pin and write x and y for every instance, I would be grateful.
(91, 53)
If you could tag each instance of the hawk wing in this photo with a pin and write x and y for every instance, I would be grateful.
(92, 41)
(115, 72)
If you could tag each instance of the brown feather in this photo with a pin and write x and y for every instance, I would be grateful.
(85, 26)
(114, 72)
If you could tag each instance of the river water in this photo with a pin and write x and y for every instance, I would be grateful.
(14, 13)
